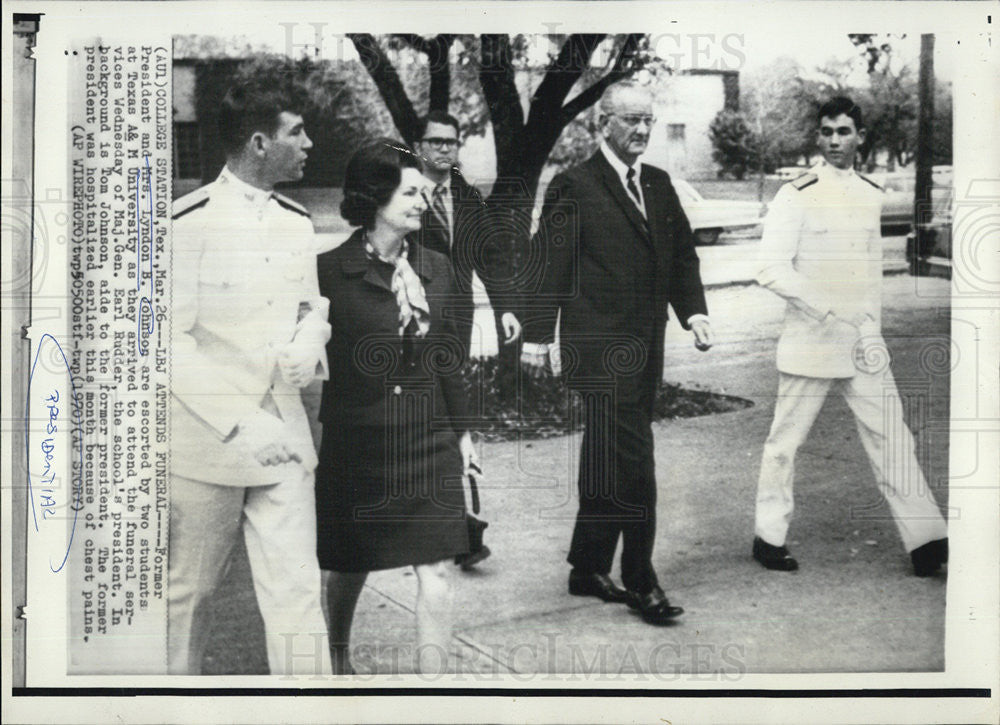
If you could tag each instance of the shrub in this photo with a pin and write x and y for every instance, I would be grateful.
(546, 408)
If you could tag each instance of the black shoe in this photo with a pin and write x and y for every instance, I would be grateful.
(927, 559)
(654, 607)
(469, 561)
(775, 558)
(596, 585)
(477, 549)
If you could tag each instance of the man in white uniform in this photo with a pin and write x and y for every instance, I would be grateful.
(822, 251)
(249, 330)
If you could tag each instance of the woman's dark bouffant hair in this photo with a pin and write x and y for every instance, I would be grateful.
(372, 177)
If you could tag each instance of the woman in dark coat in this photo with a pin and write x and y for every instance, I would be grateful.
(395, 438)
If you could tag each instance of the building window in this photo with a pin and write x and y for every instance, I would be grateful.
(187, 160)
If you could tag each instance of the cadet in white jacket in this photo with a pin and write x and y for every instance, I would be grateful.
(822, 251)
(248, 331)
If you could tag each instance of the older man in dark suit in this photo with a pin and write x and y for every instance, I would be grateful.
(616, 249)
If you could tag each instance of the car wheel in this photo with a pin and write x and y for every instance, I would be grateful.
(707, 237)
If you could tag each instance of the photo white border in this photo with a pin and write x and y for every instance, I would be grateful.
(972, 627)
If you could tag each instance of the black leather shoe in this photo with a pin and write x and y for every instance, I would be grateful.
(596, 585)
(927, 559)
(654, 607)
(775, 558)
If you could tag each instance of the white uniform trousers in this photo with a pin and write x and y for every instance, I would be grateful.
(878, 414)
(279, 527)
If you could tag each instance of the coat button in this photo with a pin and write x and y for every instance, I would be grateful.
(397, 390)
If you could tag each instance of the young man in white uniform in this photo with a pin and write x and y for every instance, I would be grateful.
(249, 330)
(822, 251)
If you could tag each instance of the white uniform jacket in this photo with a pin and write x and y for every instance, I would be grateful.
(244, 285)
(822, 249)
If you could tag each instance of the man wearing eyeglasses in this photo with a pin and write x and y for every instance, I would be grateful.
(457, 223)
(617, 250)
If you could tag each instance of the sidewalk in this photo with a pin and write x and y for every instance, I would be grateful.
(853, 606)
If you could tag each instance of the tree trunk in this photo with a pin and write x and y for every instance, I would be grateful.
(925, 129)
(438, 52)
(440, 92)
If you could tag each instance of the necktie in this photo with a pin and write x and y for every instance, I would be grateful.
(437, 204)
(632, 188)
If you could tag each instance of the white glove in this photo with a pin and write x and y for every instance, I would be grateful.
(313, 326)
(299, 359)
(297, 362)
(511, 327)
(534, 358)
(264, 436)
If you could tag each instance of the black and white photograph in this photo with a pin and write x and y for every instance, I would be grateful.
(648, 374)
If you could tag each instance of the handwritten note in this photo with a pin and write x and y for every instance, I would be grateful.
(52, 399)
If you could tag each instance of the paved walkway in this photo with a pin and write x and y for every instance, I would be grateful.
(853, 606)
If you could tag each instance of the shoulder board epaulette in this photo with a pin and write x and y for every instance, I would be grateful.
(291, 205)
(189, 202)
(803, 181)
(867, 180)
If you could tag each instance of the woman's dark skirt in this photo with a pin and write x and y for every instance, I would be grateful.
(388, 497)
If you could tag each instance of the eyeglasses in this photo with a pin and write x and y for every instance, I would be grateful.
(441, 144)
(634, 119)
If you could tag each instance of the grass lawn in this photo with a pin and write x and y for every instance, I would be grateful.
(749, 189)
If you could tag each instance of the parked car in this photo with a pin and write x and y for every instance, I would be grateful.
(710, 217)
(897, 206)
(900, 187)
(928, 245)
(789, 172)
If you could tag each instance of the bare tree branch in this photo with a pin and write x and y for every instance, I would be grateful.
(566, 68)
(437, 51)
(389, 85)
(417, 42)
(624, 66)
(546, 117)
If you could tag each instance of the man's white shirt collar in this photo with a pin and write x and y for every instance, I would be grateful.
(257, 198)
(823, 168)
(622, 171)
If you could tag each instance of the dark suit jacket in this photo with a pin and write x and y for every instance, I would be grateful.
(612, 273)
(372, 369)
(476, 246)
